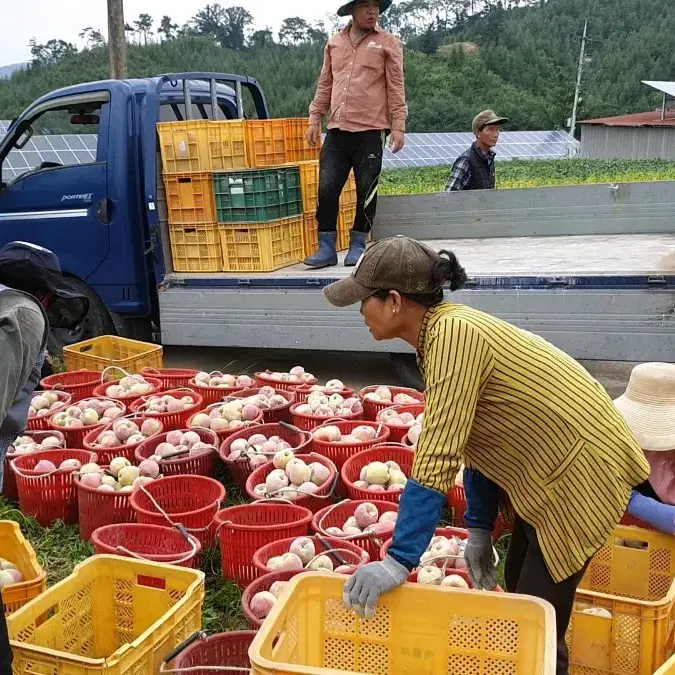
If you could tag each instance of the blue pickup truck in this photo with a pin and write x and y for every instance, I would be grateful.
(592, 268)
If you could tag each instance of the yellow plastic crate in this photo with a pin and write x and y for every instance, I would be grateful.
(309, 181)
(184, 146)
(190, 198)
(112, 350)
(668, 668)
(266, 143)
(18, 550)
(227, 144)
(310, 234)
(261, 247)
(296, 140)
(111, 616)
(346, 217)
(421, 630)
(634, 583)
(196, 248)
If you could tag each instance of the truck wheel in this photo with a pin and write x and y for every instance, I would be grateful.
(406, 368)
(97, 322)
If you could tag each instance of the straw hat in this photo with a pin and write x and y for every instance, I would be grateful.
(649, 405)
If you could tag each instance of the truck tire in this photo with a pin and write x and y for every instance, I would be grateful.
(97, 322)
(405, 366)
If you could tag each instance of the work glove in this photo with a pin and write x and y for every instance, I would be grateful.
(366, 585)
(480, 560)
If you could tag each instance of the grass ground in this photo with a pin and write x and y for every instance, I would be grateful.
(534, 173)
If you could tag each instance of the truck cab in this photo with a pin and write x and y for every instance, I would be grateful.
(80, 176)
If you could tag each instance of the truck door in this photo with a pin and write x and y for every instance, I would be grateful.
(54, 171)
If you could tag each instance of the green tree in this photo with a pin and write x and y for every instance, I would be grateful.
(225, 25)
(294, 31)
(261, 38)
(167, 28)
(51, 52)
(144, 27)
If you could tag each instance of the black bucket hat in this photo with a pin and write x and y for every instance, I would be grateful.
(35, 270)
(346, 10)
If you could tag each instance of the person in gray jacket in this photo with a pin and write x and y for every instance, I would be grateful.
(34, 294)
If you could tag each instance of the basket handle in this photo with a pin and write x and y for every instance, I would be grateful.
(387, 443)
(168, 518)
(192, 541)
(297, 430)
(335, 552)
(104, 377)
(40, 475)
(197, 635)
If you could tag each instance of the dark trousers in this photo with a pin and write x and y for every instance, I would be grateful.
(5, 651)
(525, 572)
(343, 151)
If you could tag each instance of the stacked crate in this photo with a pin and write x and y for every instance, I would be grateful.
(242, 194)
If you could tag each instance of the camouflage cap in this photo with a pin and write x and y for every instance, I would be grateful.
(485, 119)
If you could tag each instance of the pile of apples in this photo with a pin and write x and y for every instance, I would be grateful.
(87, 413)
(166, 403)
(25, 445)
(126, 432)
(223, 380)
(332, 434)
(129, 385)
(296, 374)
(46, 466)
(228, 416)
(9, 574)
(366, 520)
(332, 405)
(292, 477)
(44, 404)
(329, 387)
(267, 398)
(180, 443)
(302, 556)
(384, 395)
(381, 477)
(120, 476)
(263, 602)
(394, 418)
(443, 553)
(258, 449)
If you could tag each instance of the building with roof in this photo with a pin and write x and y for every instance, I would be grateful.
(647, 135)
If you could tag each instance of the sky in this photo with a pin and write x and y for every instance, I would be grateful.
(45, 19)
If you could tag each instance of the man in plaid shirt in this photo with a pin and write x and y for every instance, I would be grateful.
(475, 168)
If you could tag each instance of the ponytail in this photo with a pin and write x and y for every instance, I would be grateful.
(448, 270)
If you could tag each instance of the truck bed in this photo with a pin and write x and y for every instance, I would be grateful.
(596, 296)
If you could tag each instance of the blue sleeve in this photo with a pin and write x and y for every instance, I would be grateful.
(419, 512)
(659, 516)
(482, 500)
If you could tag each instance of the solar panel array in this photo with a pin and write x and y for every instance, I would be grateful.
(443, 149)
(421, 149)
(64, 149)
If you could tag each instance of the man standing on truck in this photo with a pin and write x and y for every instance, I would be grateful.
(475, 168)
(362, 88)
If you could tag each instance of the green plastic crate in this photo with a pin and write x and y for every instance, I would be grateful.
(257, 196)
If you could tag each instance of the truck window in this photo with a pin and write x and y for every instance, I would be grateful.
(175, 112)
(59, 136)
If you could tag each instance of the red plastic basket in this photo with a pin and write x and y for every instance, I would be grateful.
(227, 650)
(36, 423)
(172, 378)
(372, 408)
(631, 521)
(263, 379)
(339, 453)
(262, 583)
(240, 469)
(222, 435)
(310, 422)
(48, 497)
(75, 437)
(106, 455)
(155, 382)
(96, 509)
(212, 394)
(313, 502)
(337, 514)
(351, 470)
(203, 464)
(304, 390)
(457, 502)
(399, 431)
(280, 414)
(150, 542)
(9, 480)
(242, 530)
(78, 383)
(276, 548)
(176, 420)
(192, 501)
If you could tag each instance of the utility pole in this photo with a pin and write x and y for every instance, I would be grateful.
(117, 42)
(582, 53)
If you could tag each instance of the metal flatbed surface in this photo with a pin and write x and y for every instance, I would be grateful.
(624, 255)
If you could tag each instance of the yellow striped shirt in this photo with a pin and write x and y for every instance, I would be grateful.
(529, 417)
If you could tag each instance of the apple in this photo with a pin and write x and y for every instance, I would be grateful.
(366, 514)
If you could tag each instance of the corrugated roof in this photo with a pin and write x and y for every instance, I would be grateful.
(646, 119)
